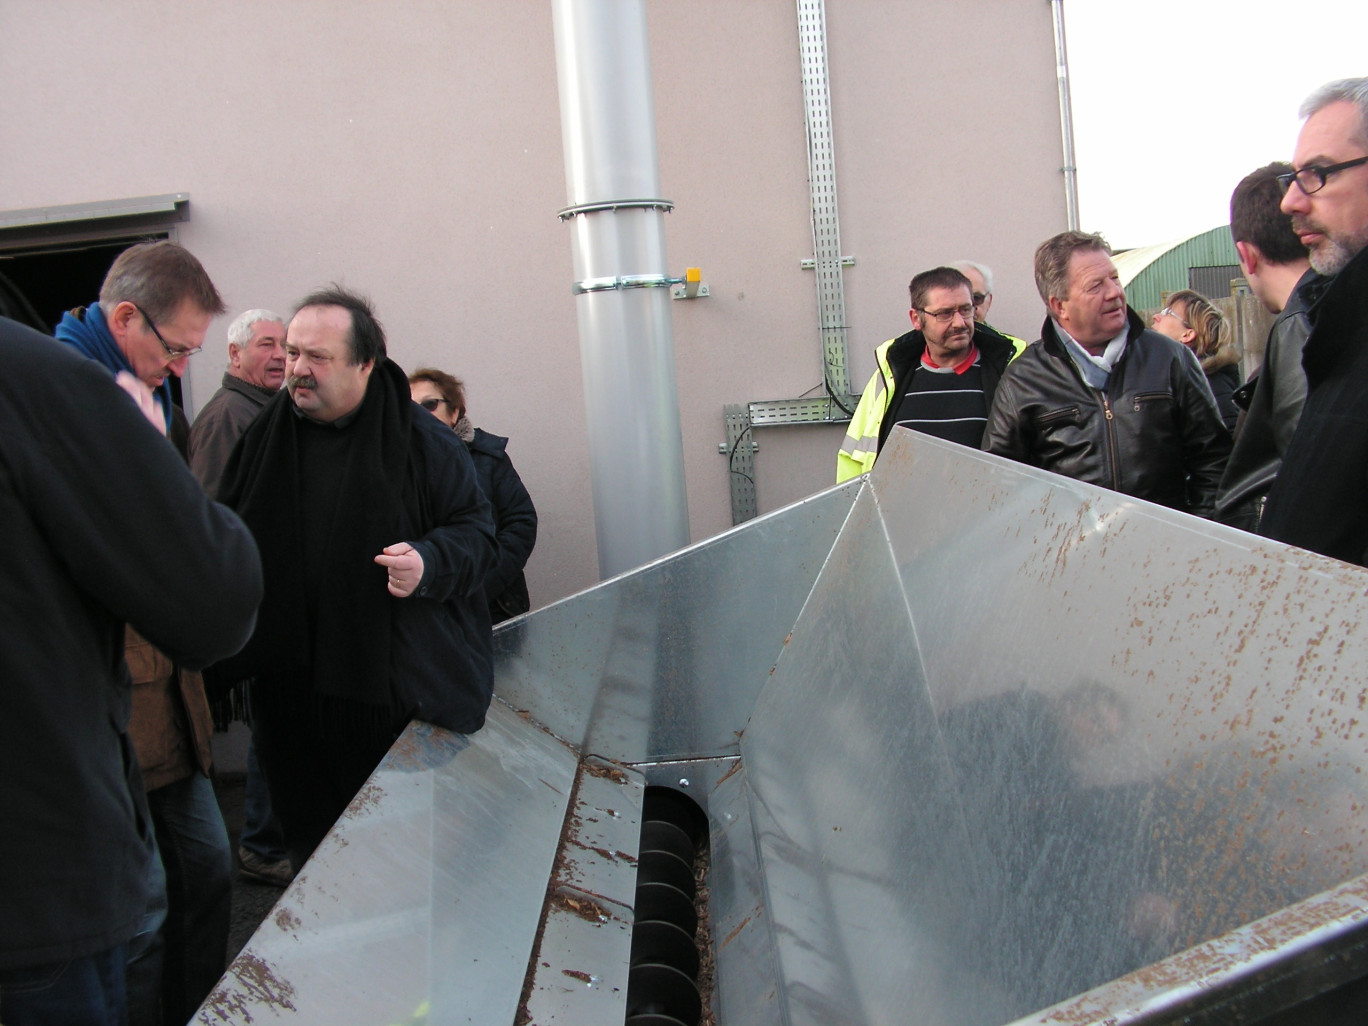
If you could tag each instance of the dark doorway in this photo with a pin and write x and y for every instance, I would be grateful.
(45, 283)
(54, 281)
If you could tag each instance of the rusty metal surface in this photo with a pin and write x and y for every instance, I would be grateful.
(743, 943)
(974, 741)
(423, 902)
(579, 970)
(1221, 973)
(1029, 736)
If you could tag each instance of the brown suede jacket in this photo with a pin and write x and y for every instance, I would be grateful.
(170, 726)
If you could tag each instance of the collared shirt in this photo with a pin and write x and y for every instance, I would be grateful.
(970, 358)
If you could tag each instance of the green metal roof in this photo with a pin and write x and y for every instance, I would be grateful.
(1151, 271)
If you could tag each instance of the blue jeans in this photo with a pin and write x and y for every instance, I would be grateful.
(87, 991)
(261, 834)
(193, 843)
(144, 974)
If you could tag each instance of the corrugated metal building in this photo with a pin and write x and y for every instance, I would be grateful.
(1206, 262)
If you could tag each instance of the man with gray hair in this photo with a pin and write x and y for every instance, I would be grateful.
(981, 284)
(256, 370)
(1318, 499)
(1102, 399)
(981, 288)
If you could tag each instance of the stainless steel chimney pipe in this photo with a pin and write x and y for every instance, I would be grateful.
(626, 345)
(1070, 168)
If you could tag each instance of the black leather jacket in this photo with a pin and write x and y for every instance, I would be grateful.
(1320, 497)
(1153, 433)
(1273, 413)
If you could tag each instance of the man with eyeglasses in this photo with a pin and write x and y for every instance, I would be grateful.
(938, 378)
(155, 307)
(981, 281)
(1102, 399)
(1320, 498)
(135, 328)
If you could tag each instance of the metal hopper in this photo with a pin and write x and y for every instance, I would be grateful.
(975, 744)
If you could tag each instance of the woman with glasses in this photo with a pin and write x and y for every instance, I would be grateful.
(515, 518)
(1192, 319)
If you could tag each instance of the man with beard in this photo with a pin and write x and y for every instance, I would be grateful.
(1100, 398)
(1320, 498)
(375, 541)
(939, 378)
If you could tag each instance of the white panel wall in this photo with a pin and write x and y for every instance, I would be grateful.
(412, 150)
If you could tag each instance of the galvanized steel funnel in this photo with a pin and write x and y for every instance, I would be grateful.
(975, 744)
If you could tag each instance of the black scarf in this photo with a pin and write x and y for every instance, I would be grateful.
(345, 653)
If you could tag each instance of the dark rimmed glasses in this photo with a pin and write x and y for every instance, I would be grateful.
(1311, 179)
(174, 354)
(946, 316)
(432, 402)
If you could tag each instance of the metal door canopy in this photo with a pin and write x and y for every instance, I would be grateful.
(973, 740)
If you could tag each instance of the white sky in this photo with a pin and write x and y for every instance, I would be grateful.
(1175, 101)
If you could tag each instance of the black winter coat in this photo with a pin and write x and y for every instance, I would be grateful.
(515, 525)
(437, 662)
(1320, 498)
(105, 526)
(1154, 433)
(1274, 410)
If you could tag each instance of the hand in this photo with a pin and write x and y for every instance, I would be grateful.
(142, 395)
(405, 568)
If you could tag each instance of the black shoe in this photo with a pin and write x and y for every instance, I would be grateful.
(254, 867)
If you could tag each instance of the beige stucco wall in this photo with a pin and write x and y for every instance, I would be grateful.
(412, 150)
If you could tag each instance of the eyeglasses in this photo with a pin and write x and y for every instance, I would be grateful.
(1312, 177)
(174, 354)
(432, 402)
(946, 316)
(979, 299)
(1168, 311)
